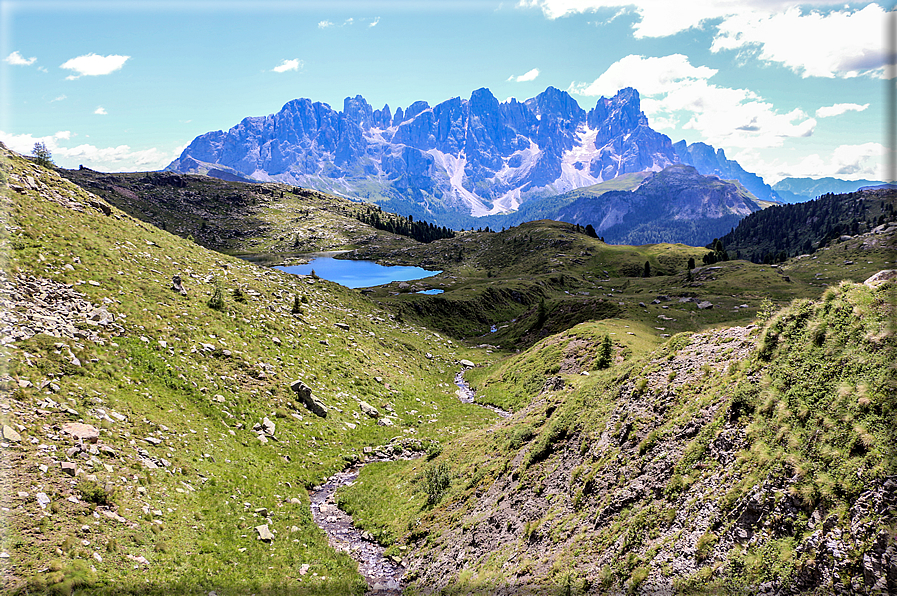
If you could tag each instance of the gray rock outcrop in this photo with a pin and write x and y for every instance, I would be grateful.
(304, 393)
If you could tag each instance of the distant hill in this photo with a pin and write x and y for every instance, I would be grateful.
(677, 204)
(798, 190)
(779, 232)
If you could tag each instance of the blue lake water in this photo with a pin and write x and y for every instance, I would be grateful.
(431, 291)
(357, 274)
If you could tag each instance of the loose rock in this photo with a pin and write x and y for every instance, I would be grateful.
(81, 431)
(264, 533)
(10, 434)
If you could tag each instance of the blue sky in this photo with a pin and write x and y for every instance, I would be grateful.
(786, 88)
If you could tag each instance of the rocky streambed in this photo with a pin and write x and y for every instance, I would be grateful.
(383, 574)
(468, 395)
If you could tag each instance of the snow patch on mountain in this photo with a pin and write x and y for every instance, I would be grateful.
(454, 167)
(524, 160)
(576, 162)
(510, 201)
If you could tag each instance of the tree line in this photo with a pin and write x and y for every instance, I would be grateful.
(421, 231)
(780, 232)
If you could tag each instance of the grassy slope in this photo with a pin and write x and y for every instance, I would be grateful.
(191, 520)
(499, 279)
(238, 217)
(705, 467)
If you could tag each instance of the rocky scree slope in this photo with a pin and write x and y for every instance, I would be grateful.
(754, 459)
(151, 439)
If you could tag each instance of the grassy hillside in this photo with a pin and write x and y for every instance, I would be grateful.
(148, 433)
(721, 462)
(238, 217)
(504, 279)
(178, 388)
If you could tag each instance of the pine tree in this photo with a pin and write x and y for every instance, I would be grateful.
(605, 353)
(42, 155)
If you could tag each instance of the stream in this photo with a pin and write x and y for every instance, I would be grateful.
(466, 395)
(383, 575)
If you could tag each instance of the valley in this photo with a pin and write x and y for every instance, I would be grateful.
(656, 428)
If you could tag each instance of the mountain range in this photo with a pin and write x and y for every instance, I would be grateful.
(458, 160)
(798, 190)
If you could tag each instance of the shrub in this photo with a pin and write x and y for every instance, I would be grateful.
(217, 299)
(437, 480)
(96, 494)
(639, 575)
(705, 545)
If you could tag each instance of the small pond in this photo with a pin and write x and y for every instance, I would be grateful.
(431, 291)
(357, 274)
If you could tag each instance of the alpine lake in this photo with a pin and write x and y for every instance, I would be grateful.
(357, 274)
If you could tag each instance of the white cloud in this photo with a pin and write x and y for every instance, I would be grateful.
(107, 159)
(839, 108)
(839, 44)
(59, 98)
(16, 59)
(374, 22)
(349, 21)
(673, 90)
(848, 162)
(649, 75)
(287, 65)
(657, 18)
(324, 24)
(527, 76)
(100, 110)
(94, 65)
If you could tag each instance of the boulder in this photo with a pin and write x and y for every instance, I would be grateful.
(342, 326)
(10, 434)
(69, 468)
(705, 305)
(467, 363)
(368, 409)
(303, 392)
(553, 384)
(268, 426)
(177, 286)
(81, 431)
(881, 277)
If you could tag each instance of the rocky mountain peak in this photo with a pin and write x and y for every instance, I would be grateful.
(470, 157)
(357, 109)
(557, 104)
